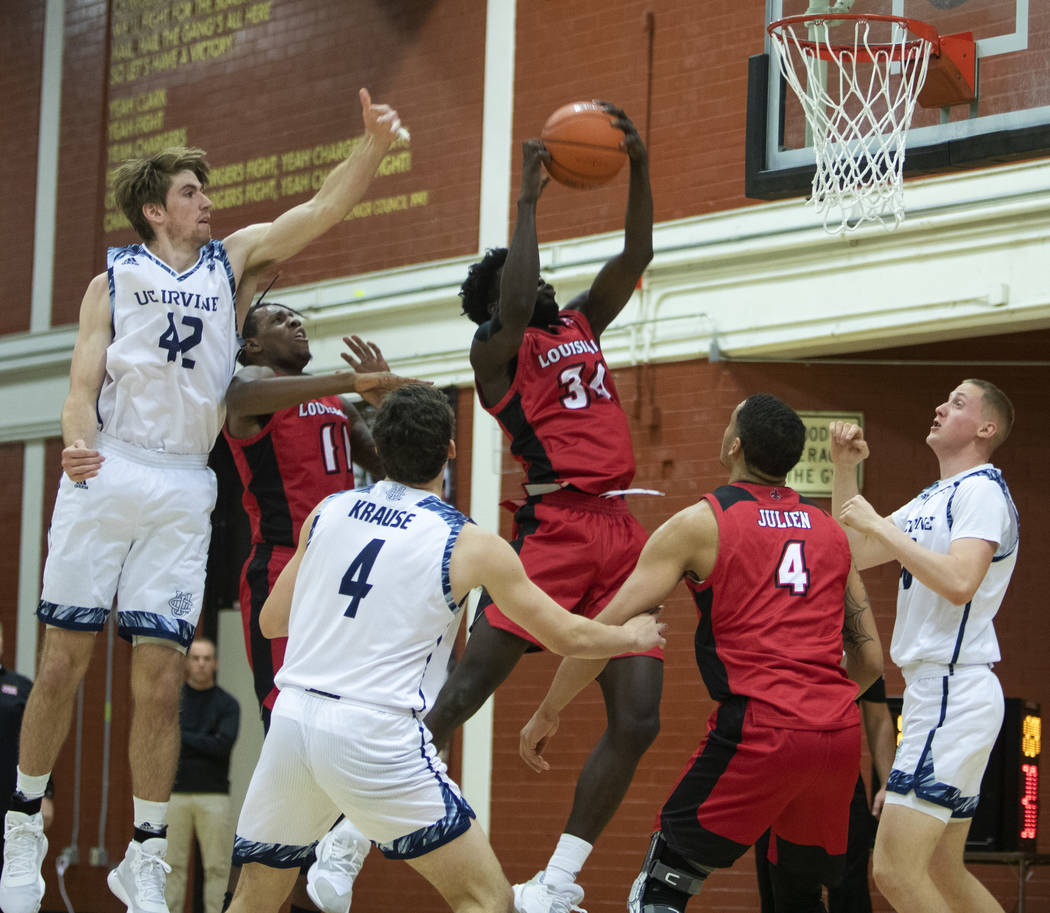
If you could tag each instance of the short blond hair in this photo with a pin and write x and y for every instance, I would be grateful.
(998, 403)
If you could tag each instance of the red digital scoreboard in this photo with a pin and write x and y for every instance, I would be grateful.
(1007, 816)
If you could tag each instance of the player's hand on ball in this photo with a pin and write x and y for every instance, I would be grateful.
(534, 737)
(533, 177)
(80, 462)
(632, 142)
(848, 447)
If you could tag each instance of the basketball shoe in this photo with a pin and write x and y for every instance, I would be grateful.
(139, 879)
(25, 846)
(330, 880)
(536, 896)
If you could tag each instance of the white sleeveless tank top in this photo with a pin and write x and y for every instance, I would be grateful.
(373, 618)
(174, 350)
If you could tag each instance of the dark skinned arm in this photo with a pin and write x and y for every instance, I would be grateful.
(615, 283)
(362, 448)
(496, 343)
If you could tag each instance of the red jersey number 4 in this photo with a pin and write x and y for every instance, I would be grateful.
(792, 573)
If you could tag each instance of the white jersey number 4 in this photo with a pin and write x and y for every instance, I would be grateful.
(792, 572)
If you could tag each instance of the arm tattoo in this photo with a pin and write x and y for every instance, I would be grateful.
(853, 634)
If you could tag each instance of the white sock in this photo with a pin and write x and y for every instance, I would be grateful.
(150, 816)
(31, 787)
(569, 856)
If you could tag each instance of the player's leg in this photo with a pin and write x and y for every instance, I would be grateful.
(64, 660)
(962, 891)
(284, 811)
(45, 725)
(157, 668)
(763, 875)
(631, 688)
(852, 894)
(949, 725)
(904, 846)
(487, 660)
(157, 671)
(158, 603)
(261, 889)
(467, 874)
(810, 835)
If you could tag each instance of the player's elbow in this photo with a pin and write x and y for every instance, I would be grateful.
(960, 592)
(866, 667)
(271, 623)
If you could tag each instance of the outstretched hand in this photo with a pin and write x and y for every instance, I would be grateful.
(364, 357)
(381, 121)
(632, 142)
(534, 738)
(80, 462)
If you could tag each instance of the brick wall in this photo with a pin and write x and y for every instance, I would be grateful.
(21, 47)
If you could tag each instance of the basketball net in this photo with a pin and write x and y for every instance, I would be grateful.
(858, 97)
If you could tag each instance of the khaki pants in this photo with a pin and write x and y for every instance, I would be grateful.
(206, 815)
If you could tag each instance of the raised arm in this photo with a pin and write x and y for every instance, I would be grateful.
(481, 558)
(686, 542)
(615, 283)
(955, 575)
(257, 390)
(860, 637)
(260, 245)
(496, 343)
(86, 371)
(848, 451)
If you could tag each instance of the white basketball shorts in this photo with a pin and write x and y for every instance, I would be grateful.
(324, 756)
(949, 724)
(138, 531)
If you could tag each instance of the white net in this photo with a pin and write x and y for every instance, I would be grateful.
(858, 98)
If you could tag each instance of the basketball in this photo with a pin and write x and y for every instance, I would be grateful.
(584, 145)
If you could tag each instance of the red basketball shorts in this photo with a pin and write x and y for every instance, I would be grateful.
(261, 570)
(746, 777)
(577, 548)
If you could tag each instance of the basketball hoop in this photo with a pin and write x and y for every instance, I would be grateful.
(858, 93)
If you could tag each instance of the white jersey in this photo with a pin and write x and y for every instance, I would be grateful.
(373, 619)
(974, 504)
(174, 350)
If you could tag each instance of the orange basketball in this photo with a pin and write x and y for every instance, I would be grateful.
(584, 145)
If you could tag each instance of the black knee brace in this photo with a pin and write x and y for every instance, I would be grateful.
(667, 880)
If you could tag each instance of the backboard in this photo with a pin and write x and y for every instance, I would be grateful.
(1009, 120)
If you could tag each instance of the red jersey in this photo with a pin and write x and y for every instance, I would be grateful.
(300, 456)
(771, 611)
(562, 412)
